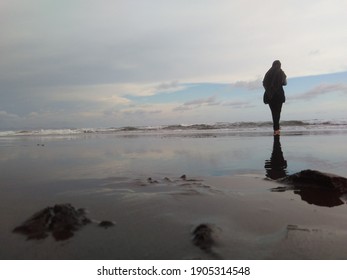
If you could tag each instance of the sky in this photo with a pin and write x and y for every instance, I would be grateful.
(114, 63)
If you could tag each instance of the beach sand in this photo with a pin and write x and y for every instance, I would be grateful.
(135, 182)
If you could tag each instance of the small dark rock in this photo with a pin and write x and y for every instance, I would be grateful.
(184, 178)
(202, 237)
(106, 224)
(61, 220)
(315, 187)
(320, 197)
(317, 179)
(151, 181)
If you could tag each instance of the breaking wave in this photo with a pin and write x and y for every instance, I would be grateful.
(291, 125)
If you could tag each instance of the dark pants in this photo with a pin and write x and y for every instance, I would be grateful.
(276, 108)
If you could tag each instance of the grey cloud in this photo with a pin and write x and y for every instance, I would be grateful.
(181, 108)
(138, 116)
(8, 116)
(167, 86)
(321, 90)
(238, 104)
(150, 90)
(250, 85)
(210, 101)
(140, 112)
(197, 103)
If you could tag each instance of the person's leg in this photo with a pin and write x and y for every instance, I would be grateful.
(276, 114)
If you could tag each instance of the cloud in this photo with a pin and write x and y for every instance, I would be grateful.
(139, 112)
(100, 93)
(158, 88)
(250, 85)
(321, 90)
(238, 104)
(38, 120)
(197, 103)
(210, 101)
(136, 116)
(8, 120)
(168, 87)
(115, 99)
(147, 89)
(5, 115)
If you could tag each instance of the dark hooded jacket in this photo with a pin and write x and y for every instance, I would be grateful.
(273, 83)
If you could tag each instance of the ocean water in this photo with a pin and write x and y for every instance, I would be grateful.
(30, 157)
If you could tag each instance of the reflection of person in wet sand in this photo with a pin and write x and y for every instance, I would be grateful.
(276, 166)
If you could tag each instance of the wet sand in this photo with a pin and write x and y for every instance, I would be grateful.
(136, 183)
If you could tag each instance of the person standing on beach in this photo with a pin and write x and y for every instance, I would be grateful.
(273, 83)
